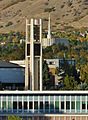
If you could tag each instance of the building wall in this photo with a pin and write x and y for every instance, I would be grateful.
(73, 117)
(44, 103)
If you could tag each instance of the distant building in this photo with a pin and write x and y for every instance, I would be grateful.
(59, 62)
(11, 76)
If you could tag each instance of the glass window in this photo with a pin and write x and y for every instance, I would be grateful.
(83, 105)
(51, 105)
(9, 105)
(62, 105)
(46, 105)
(4, 98)
(14, 98)
(4, 105)
(14, 105)
(87, 105)
(83, 98)
(72, 105)
(56, 98)
(68, 98)
(19, 98)
(78, 98)
(20, 105)
(41, 105)
(25, 98)
(46, 98)
(57, 105)
(62, 98)
(30, 98)
(51, 98)
(78, 105)
(67, 105)
(73, 98)
(30, 105)
(9, 98)
(35, 98)
(25, 105)
(35, 105)
(41, 98)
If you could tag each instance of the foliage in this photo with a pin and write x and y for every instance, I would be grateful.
(84, 73)
(47, 76)
(14, 118)
(70, 83)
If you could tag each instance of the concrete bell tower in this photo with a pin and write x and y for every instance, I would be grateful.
(33, 55)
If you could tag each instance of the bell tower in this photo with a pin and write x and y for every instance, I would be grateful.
(33, 55)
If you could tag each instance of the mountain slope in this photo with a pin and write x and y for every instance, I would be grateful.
(63, 13)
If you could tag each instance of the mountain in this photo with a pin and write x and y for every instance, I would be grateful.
(13, 13)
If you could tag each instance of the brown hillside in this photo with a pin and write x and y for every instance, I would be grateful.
(63, 13)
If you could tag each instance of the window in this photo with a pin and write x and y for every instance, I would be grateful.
(25, 105)
(36, 32)
(4, 105)
(37, 48)
(30, 105)
(9, 105)
(14, 105)
(28, 49)
(46, 105)
(78, 105)
(35, 105)
(62, 105)
(51, 106)
(87, 105)
(72, 105)
(20, 105)
(57, 105)
(67, 105)
(83, 105)
(41, 105)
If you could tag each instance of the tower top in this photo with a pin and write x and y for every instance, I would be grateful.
(49, 29)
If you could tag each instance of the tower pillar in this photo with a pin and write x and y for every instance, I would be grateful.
(33, 74)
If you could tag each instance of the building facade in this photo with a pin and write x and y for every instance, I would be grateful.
(60, 105)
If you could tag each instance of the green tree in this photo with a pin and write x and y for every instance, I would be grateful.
(70, 83)
(45, 75)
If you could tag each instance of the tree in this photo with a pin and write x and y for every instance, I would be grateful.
(84, 73)
(70, 83)
(47, 77)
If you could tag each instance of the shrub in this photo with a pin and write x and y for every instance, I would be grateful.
(9, 23)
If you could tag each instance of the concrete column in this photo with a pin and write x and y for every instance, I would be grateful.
(17, 104)
(59, 103)
(32, 55)
(44, 103)
(54, 103)
(26, 57)
(27, 103)
(36, 73)
(7, 103)
(49, 103)
(75, 104)
(12, 103)
(65, 104)
(1, 103)
(80, 104)
(70, 103)
(33, 105)
(41, 55)
(22, 104)
(38, 104)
